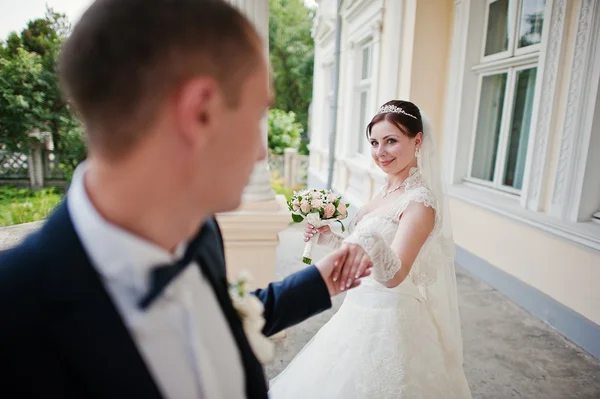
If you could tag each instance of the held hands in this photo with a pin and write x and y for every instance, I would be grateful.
(342, 269)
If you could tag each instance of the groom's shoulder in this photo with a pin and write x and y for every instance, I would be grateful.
(22, 264)
(27, 266)
(23, 272)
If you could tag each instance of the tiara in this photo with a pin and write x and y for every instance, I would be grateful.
(393, 109)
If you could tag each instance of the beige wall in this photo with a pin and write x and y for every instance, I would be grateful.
(430, 57)
(424, 56)
(563, 270)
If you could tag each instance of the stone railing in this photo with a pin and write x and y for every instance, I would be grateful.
(39, 168)
(291, 166)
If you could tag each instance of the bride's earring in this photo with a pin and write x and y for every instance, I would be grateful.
(418, 156)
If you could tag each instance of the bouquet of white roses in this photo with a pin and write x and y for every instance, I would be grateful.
(319, 208)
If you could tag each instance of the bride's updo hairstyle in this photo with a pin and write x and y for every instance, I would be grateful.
(404, 114)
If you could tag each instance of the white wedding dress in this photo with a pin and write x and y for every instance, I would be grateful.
(383, 343)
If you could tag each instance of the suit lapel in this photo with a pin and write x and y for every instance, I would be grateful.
(87, 327)
(212, 264)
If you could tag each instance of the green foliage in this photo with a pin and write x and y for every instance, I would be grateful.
(30, 98)
(291, 50)
(21, 102)
(277, 184)
(284, 131)
(72, 150)
(23, 206)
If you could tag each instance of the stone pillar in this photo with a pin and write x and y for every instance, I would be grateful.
(259, 188)
(36, 166)
(251, 232)
(290, 162)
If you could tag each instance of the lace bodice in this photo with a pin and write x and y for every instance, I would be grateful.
(375, 232)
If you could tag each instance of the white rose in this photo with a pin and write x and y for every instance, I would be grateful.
(244, 277)
(255, 307)
(342, 209)
(329, 211)
(253, 324)
(316, 204)
(305, 206)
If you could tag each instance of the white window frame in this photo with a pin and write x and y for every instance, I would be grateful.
(529, 49)
(505, 127)
(532, 207)
(509, 51)
(513, 50)
(510, 62)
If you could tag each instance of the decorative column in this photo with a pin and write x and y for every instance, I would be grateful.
(259, 188)
(251, 232)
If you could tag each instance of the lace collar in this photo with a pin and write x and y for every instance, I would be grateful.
(413, 180)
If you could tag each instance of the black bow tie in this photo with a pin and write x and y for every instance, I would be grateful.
(162, 275)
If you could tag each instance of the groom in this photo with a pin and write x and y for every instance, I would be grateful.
(123, 293)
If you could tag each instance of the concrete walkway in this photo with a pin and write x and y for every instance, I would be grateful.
(508, 353)
(13, 235)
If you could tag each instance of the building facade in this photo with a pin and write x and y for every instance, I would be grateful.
(511, 87)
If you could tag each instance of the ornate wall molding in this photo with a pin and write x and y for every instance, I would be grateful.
(550, 68)
(577, 93)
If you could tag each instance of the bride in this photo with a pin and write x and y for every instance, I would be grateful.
(398, 334)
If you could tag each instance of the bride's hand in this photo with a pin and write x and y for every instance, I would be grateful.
(348, 258)
(311, 230)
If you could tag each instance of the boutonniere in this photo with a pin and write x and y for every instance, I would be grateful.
(251, 310)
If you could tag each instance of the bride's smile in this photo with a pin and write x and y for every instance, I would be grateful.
(386, 162)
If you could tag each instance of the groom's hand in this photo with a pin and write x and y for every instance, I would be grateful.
(350, 262)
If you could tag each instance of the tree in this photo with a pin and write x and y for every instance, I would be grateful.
(291, 50)
(284, 131)
(30, 97)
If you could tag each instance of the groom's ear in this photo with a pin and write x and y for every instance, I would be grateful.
(196, 109)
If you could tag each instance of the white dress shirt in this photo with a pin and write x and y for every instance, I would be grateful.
(183, 336)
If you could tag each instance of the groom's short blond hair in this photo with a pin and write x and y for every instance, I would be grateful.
(124, 58)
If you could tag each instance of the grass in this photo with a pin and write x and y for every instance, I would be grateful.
(277, 183)
(23, 205)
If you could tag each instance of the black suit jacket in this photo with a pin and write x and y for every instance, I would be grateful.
(62, 337)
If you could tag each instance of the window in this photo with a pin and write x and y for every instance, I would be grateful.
(362, 94)
(507, 82)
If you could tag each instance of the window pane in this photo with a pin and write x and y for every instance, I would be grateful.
(366, 63)
(519, 128)
(532, 22)
(498, 28)
(489, 120)
(362, 123)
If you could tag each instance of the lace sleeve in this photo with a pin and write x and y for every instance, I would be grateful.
(385, 262)
(331, 240)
